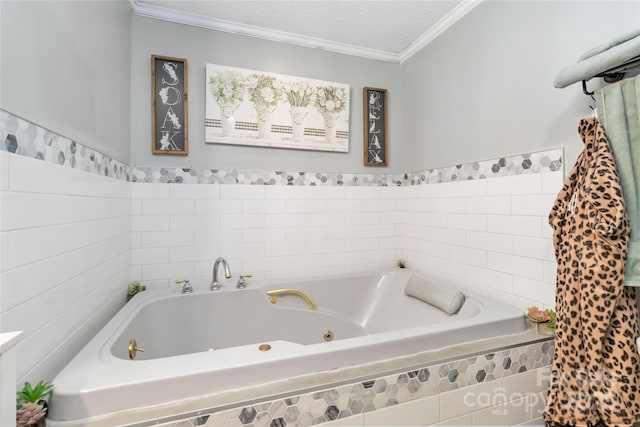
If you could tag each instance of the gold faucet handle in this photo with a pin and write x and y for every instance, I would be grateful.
(182, 281)
(246, 275)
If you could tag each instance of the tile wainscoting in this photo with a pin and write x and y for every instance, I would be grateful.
(273, 232)
(65, 221)
(65, 256)
(482, 222)
(490, 235)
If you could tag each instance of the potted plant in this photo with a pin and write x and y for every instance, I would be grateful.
(31, 404)
(544, 320)
(134, 288)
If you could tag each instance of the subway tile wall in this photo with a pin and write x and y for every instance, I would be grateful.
(65, 237)
(491, 235)
(271, 232)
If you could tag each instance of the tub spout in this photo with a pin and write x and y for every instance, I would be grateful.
(215, 285)
(277, 292)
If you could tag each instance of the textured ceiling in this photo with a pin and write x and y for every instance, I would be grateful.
(389, 26)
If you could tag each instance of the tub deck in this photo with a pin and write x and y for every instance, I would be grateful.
(370, 317)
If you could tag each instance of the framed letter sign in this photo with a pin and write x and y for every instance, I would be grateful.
(169, 105)
(375, 126)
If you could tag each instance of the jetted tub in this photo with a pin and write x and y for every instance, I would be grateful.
(205, 342)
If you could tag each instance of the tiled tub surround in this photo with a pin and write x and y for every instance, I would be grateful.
(65, 237)
(490, 233)
(272, 232)
(493, 234)
(371, 320)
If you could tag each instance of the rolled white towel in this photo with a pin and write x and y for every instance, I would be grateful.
(444, 297)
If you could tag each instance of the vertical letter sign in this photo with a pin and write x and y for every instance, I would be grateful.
(169, 105)
(375, 126)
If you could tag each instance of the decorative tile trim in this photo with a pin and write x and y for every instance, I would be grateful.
(521, 164)
(376, 393)
(24, 138)
(257, 177)
(541, 161)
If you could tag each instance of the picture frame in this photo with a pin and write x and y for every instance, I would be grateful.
(169, 101)
(374, 113)
(259, 109)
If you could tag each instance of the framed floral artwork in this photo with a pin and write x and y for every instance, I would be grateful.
(169, 105)
(255, 108)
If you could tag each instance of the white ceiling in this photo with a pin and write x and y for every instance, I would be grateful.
(388, 30)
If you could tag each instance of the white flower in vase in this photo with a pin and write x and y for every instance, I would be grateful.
(330, 101)
(265, 93)
(228, 89)
(299, 95)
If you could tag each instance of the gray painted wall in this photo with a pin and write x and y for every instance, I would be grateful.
(66, 66)
(484, 88)
(201, 46)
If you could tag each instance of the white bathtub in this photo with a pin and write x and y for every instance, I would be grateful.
(370, 317)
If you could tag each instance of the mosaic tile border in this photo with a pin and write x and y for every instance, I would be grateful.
(24, 138)
(19, 136)
(521, 164)
(364, 396)
(258, 177)
(529, 163)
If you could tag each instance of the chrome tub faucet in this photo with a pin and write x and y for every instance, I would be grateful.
(242, 283)
(186, 286)
(215, 284)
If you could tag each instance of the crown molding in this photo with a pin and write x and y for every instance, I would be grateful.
(201, 21)
(452, 17)
(131, 4)
(165, 14)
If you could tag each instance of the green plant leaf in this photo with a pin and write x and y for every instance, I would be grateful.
(552, 318)
(30, 394)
